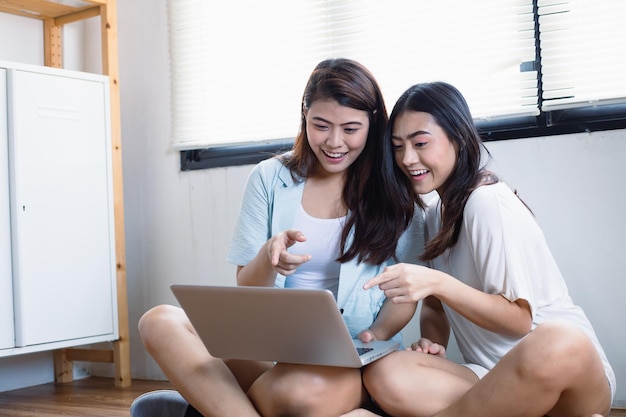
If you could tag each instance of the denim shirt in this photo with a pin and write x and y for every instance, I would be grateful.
(270, 202)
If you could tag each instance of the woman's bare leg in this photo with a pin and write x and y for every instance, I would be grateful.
(206, 382)
(554, 371)
(408, 383)
(311, 391)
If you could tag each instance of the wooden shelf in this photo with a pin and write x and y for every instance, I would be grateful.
(43, 9)
(55, 14)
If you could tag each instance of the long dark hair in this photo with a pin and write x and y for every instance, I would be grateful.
(448, 107)
(380, 205)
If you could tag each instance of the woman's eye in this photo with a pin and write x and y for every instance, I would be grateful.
(320, 127)
(420, 144)
(350, 130)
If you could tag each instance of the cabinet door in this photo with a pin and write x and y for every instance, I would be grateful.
(61, 205)
(7, 335)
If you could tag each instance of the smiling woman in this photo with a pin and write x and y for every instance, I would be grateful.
(337, 134)
(328, 214)
(423, 151)
(491, 281)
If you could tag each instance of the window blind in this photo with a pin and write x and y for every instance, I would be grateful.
(583, 52)
(239, 68)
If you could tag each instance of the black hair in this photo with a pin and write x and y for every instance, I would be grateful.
(380, 205)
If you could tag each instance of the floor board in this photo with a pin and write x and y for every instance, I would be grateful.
(93, 397)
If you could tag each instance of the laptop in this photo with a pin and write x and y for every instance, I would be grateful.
(302, 326)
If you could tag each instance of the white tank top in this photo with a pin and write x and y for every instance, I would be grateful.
(323, 237)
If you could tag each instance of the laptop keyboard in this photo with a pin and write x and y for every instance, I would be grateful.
(363, 350)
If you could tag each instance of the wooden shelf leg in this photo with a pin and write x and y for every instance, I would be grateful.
(63, 367)
(52, 44)
(121, 357)
(110, 67)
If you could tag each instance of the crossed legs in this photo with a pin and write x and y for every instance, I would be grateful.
(243, 388)
(554, 371)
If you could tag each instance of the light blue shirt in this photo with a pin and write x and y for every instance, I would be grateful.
(270, 202)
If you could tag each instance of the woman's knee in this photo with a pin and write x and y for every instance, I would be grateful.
(383, 378)
(378, 375)
(553, 347)
(289, 391)
(154, 322)
(299, 398)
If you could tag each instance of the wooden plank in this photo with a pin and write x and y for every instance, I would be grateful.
(110, 67)
(52, 44)
(93, 397)
(45, 9)
(75, 17)
(121, 354)
(89, 355)
(63, 368)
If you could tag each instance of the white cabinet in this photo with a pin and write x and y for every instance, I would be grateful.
(7, 339)
(54, 16)
(62, 240)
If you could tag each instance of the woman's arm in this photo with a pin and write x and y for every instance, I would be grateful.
(258, 272)
(391, 319)
(434, 324)
(489, 311)
(271, 259)
(411, 283)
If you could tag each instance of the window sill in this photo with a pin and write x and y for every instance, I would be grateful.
(586, 119)
(232, 155)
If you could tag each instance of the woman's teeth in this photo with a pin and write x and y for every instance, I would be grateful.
(334, 154)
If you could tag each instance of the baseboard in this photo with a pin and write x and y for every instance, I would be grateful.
(618, 412)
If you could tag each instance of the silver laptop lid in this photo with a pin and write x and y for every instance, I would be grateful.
(272, 324)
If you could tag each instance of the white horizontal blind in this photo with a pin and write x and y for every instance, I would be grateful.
(583, 52)
(477, 49)
(239, 68)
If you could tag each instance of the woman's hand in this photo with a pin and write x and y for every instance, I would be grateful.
(404, 283)
(283, 262)
(367, 336)
(426, 346)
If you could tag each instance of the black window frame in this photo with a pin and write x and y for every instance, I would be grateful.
(556, 122)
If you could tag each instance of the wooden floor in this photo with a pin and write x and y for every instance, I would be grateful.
(90, 397)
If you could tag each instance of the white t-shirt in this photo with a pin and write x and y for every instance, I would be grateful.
(502, 250)
(323, 238)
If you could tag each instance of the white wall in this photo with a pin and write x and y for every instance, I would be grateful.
(178, 224)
